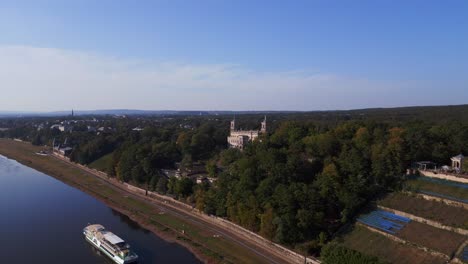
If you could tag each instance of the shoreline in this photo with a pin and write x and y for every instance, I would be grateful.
(141, 211)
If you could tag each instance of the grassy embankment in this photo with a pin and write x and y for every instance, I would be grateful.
(102, 163)
(197, 239)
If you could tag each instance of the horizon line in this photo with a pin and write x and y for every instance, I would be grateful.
(223, 110)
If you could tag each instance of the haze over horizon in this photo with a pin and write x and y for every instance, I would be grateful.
(123, 111)
(240, 55)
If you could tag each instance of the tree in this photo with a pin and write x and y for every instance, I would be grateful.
(138, 174)
(230, 155)
(267, 227)
(153, 182)
(171, 185)
(200, 196)
(183, 187)
(37, 140)
(125, 165)
(337, 254)
(161, 186)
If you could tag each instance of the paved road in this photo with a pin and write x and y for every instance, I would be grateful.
(270, 255)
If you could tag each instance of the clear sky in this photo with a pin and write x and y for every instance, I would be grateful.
(232, 55)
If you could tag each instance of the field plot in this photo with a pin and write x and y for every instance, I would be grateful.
(433, 210)
(445, 189)
(371, 243)
(464, 254)
(384, 221)
(440, 240)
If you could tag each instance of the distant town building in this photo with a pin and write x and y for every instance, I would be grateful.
(202, 179)
(65, 128)
(61, 149)
(64, 151)
(240, 138)
(104, 130)
(186, 126)
(91, 129)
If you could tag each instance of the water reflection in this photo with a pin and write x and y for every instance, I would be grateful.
(125, 219)
(99, 254)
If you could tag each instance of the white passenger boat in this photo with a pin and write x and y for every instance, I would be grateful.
(110, 244)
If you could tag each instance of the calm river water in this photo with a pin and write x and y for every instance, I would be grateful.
(41, 221)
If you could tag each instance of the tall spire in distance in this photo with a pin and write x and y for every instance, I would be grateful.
(233, 123)
(264, 125)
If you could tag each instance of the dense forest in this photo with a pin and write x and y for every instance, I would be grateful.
(296, 185)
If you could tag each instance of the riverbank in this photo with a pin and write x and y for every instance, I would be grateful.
(207, 243)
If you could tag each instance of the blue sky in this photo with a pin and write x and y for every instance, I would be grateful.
(239, 55)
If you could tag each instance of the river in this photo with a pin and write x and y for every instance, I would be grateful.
(41, 221)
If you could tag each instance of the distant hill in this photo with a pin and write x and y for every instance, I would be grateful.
(17, 114)
(130, 112)
(430, 113)
(158, 112)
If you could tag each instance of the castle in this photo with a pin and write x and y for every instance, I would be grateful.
(239, 138)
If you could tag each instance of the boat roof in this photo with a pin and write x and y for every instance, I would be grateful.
(113, 239)
(95, 227)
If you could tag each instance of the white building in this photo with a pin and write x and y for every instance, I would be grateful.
(65, 128)
(457, 162)
(239, 138)
(62, 127)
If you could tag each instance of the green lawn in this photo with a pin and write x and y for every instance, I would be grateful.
(420, 184)
(102, 163)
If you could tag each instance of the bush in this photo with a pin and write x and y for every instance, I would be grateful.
(336, 254)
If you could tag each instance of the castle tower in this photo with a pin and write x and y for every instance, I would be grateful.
(233, 124)
(264, 126)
